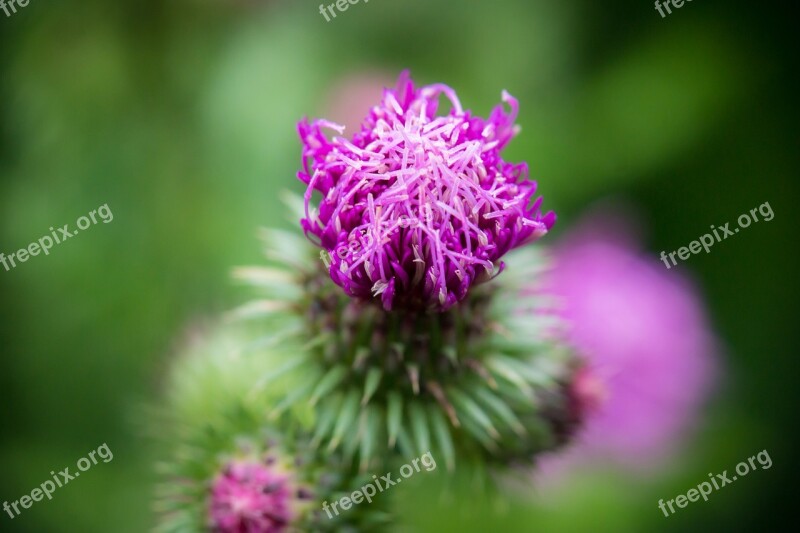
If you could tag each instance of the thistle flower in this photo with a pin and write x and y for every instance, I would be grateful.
(228, 469)
(356, 382)
(648, 349)
(251, 497)
(424, 203)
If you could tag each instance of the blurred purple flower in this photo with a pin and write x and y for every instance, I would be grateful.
(427, 198)
(648, 351)
(251, 497)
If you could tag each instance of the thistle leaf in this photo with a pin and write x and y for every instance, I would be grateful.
(285, 247)
(436, 390)
(269, 377)
(370, 432)
(257, 309)
(394, 416)
(496, 364)
(347, 416)
(404, 444)
(371, 384)
(328, 382)
(420, 426)
(413, 375)
(361, 357)
(479, 434)
(450, 353)
(327, 416)
(261, 276)
(295, 205)
(322, 339)
(290, 399)
(272, 340)
(500, 408)
(473, 411)
(442, 432)
(531, 374)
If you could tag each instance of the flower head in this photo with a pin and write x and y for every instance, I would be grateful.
(251, 497)
(416, 207)
(646, 343)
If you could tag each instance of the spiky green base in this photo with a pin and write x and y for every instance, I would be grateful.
(485, 382)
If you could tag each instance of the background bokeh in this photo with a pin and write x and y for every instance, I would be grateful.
(181, 117)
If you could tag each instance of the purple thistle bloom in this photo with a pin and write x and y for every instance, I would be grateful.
(416, 208)
(649, 352)
(251, 497)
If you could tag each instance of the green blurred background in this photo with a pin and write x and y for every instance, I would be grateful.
(181, 117)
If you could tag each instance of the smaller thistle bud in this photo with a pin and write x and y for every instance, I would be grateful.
(252, 496)
(226, 468)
